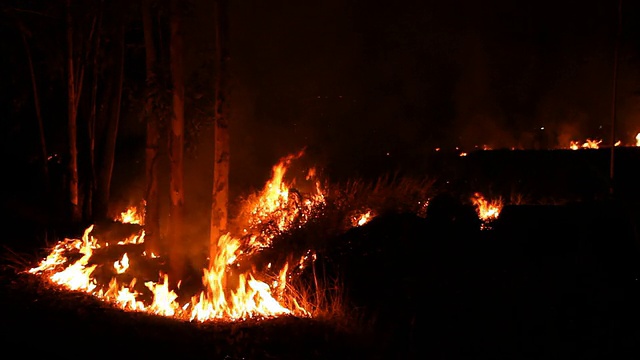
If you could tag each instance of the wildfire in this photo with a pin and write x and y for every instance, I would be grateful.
(638, 139)
(487, 210)
(589, 144)
(131, 216)
(280, 207)
(361, 218)
(76, 264)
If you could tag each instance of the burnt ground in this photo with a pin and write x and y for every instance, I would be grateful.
(558, 281)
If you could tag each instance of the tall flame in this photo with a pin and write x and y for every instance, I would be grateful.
(279, 207)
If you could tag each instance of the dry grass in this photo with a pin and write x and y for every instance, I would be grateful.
(389, 193)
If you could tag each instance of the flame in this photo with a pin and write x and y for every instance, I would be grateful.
(76, 276)
(131, 216)
(225, 295)
(361, 218)
(122, 265)
(638, 139)
(487, 210)
(279, 207)
(589, 144)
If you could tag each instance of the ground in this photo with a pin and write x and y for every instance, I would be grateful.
(554, 281)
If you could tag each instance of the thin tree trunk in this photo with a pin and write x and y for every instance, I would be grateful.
(91, 126)
(176, 147)
(36, 103)
(152, 204)
(108, 155)
(220, 195)
(72, 125)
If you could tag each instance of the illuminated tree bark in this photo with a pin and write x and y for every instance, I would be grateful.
(152, 205)
(176, 147)
(220, 196)
(74, 88)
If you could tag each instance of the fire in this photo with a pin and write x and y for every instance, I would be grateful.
(131, 216)
(487, 210)
(76, 263)
(279, 207)
(638, 139)
(360, 219)
(589, 144)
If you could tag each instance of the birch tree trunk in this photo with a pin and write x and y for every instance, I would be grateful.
(176, 148)
(220, 195)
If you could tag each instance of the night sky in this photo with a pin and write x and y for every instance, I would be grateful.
(358, 83)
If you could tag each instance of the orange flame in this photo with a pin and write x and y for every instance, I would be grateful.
(361, 218)
(589, 144)
(131, 216)
(279, 207)
(225, 295)
(487, 210)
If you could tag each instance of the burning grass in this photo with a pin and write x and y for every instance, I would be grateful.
(258, 270)
(300, 252)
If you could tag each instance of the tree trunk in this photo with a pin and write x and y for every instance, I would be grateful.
(108, 153)
(36, 103)
(74, 95)
(91, 126)
(176, 148)
(152, 204)
(220, 195)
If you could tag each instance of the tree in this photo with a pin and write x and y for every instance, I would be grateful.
(36, 102)
(91, 126)
(220, 195)
(152, 203)
(176, 146)
(75, 73)
(109, 148)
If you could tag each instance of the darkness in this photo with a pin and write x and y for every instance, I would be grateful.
(364, 88)
(353, 79)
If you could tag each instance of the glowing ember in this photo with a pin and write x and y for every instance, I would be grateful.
(75, 265)
(487, 210)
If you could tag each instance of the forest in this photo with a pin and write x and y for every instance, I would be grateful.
(283, 180)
